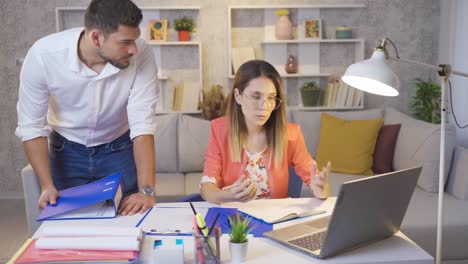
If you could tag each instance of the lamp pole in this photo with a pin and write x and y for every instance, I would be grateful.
(368, 74)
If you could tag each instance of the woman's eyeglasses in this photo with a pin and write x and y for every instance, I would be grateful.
(271, 102)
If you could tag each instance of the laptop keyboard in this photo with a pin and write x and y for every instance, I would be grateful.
(310, 242)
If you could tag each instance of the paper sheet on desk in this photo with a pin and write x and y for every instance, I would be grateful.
(165, 219)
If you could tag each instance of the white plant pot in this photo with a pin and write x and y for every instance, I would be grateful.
(238, 251)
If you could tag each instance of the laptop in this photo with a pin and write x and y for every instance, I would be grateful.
(366, 211)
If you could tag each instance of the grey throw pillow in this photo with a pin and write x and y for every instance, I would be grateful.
(165, 142)
(418, 144)
(458, 180)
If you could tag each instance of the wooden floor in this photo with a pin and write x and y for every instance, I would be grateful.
(13, 227)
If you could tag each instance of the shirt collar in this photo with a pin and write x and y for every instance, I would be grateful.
(76, 65)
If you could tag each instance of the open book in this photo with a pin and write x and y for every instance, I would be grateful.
(278, 210)
(98, 199)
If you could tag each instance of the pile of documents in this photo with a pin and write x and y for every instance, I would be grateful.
(77, 243)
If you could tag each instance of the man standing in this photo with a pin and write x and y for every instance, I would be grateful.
(93, 92)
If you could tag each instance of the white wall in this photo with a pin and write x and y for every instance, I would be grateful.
(453, 50)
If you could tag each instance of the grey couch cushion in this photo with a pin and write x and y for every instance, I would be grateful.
(418, 144)
(192, 182)
(458, 179)
(420, 224)
(170, 185)
(193, 138)
(310, 123)
(165, 143)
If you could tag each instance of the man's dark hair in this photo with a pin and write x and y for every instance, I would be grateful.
(107, 15)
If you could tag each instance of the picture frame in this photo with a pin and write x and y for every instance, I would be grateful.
(313, 28)
(157, 30)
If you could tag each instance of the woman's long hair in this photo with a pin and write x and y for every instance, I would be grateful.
(275, 125)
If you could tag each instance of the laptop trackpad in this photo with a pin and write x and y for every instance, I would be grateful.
(319, 223)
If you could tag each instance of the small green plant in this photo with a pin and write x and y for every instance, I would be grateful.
(310, 86)
(183, 24)
(239, 228)
(426, 102)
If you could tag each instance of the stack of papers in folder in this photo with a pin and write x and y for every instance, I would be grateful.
(98, 199)
(73, 244)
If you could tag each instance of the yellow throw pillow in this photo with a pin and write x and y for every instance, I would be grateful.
(348, 144)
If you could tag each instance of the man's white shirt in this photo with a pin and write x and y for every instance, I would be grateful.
(58, 91)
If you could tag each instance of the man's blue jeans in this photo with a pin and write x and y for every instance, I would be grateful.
(73, 164)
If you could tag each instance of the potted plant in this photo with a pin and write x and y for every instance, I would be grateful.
(311, 94)
(184, 26)
(426, 102)
(238, 231)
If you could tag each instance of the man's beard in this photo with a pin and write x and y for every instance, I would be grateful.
(115, 63)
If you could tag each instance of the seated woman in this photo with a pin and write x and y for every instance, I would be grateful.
(251, 148)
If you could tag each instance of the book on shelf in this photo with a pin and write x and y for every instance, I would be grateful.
(278, 210)
(98, 199)
(186, 96)
(240, 56)
(73, 244)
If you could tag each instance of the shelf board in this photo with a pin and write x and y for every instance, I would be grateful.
(274, 41)
(326, 108)
(298, 6)
(173, 43)
(297, 75)
(144, 8)
(163, 78)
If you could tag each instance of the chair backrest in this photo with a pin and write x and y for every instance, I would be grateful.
(295, 184)
(32, 192)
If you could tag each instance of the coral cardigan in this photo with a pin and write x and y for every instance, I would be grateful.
(219, 165)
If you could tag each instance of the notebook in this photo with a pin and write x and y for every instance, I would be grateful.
(98, 199)
(273, 211)
(366, 211)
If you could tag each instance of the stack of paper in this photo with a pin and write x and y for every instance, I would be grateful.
(77, 243)
(186, 96)
(240, 56)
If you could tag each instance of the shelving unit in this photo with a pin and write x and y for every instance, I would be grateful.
(254, 27)
(178, 61)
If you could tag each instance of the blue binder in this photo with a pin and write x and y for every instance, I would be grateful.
(98, 199)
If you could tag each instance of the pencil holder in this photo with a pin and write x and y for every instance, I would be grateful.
(206, 249)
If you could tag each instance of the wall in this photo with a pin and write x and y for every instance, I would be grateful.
(412, 25)
(452, 50)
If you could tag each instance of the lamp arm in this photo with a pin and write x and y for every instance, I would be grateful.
(444, 69)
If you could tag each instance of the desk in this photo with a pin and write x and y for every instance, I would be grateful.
(397, 249)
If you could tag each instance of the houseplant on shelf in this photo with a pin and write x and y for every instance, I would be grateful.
(311, 94)
(426, 102)
(238, 231)
(184, 26)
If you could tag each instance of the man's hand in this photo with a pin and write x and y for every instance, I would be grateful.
(242, 190)
(136, 203)
(319, 181)
(48, 195)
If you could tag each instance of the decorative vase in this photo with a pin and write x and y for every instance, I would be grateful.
(238, 251)
(291, 65)
(184, 35)
(283, 28)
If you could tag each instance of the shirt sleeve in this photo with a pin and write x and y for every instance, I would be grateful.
(213, 159)
(143, 95)
(301, 159)
(33, 99)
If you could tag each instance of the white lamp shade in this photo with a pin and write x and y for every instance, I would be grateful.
(373, 76)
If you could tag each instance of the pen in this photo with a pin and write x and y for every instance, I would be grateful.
(202, 226)
(214, 223)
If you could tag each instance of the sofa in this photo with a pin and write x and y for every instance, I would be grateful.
(181, 139)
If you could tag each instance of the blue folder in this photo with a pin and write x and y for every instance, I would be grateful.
(98, 199)
(259, 227)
